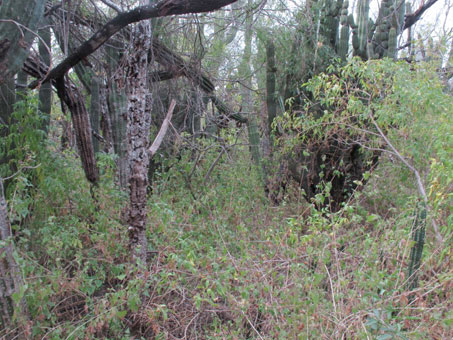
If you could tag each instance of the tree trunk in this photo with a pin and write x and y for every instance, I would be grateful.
(138, 126)
(10, 276)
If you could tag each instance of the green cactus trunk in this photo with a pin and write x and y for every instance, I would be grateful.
(330, 20)
(363, 10)
(270, 85)
(117, 104)
(418, 237)
(45, 91)
(343, 43)
(392, 44)
(95, 109)
(247, 100)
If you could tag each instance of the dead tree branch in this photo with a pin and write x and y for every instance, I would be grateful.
(420, 186)
(163, 130)
(160, 9)
(411, 19)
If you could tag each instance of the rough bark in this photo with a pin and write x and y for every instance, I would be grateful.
(10, 277)
(138, 126)
(160, 9)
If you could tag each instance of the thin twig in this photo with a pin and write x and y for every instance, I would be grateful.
(420, 185)
(208, 174)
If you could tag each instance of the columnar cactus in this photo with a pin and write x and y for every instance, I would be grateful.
(343, 44)
(392, 44)
(330, 21)
(370, 40)
(418, 237)
(363, 10)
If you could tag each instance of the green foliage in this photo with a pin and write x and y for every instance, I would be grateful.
(403, 101)
(20, 150)
(224, 263)
(25, 136)
(221, 256)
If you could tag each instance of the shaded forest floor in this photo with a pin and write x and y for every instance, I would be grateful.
(225, 264)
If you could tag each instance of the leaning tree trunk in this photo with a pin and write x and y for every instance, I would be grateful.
(138, 126)
(10, 276)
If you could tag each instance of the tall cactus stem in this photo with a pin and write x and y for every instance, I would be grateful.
(343, 44)
(418, 237)
(392, 43)
(363, 10)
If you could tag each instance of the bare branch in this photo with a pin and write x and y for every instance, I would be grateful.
(161, 9)
(420, 186)
(411, 19)
(163, 130)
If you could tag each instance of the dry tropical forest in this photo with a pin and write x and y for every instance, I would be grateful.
(226, 169)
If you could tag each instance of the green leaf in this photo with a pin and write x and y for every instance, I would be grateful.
(121, 314)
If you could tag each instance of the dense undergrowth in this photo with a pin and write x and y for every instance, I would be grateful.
(225, 263)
